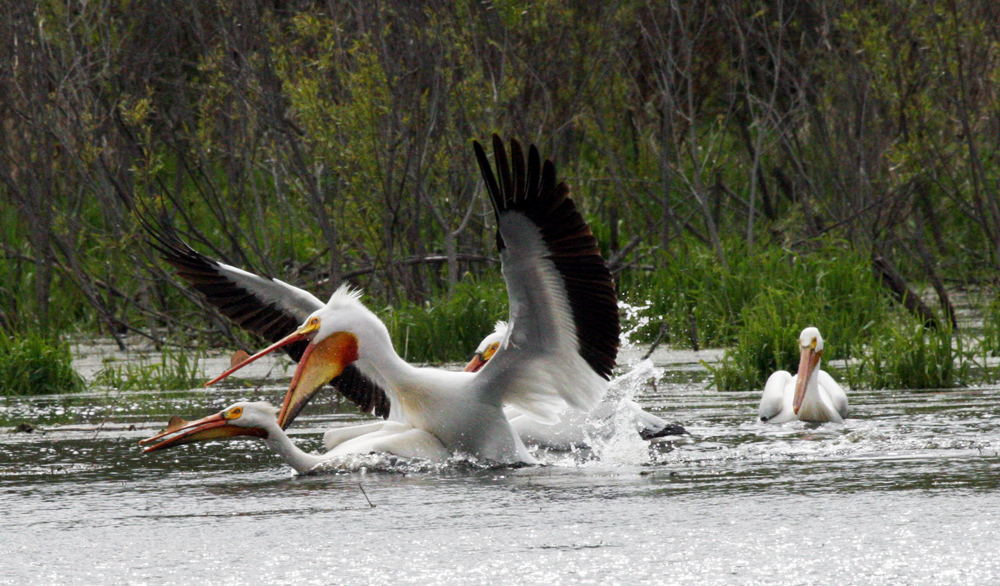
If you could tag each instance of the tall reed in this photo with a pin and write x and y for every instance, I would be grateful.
(907, 356)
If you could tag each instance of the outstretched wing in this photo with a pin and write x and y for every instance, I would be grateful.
(563, 336)
(267, 307)
(264, 306)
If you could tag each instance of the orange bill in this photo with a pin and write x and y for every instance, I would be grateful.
(321, 362)
(475, 364)
(180, 432)
(306, 332)
(807, 364)
(480, 359)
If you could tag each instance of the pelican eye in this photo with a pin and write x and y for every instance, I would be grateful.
(490, 350)
(234, 413)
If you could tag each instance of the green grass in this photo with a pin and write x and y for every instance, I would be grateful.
(173, 372)
(831, 287)
(906, 356)
(447, 329)
(767, 343)
(758, 308)
(34, 364)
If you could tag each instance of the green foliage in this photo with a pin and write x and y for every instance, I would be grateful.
(830, 287)
(761, 304)
(447, 329)
(33, 364)
(686, 291)
(907, 356)
(319, 140)
(767, 343)
(173, 372)
(20, 297)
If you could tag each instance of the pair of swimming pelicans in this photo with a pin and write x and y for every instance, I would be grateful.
(552, 362)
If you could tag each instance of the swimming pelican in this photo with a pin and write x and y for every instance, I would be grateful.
(810, 395)
(560, 347)
(260, 420)
(575, 428)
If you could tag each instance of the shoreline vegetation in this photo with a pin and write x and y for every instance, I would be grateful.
(755, 312)
(749, 168)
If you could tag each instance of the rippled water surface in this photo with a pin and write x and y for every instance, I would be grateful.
(907, 491)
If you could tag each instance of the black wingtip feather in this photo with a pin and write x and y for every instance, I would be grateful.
(533, 190)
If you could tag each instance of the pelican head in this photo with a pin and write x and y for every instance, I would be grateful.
(487, 348)
(332, 333)
(811, 349)
(241, 419)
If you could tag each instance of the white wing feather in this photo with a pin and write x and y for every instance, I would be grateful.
(538, 367)
(772, 403)
(295, 301)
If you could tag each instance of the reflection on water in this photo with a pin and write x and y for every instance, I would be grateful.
(904, 492)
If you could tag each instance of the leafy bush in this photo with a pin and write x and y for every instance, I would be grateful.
(831, 288)
(762, 304)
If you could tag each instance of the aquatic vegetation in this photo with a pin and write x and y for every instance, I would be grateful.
(702, 303)
(171, 372)
(450, 327)
(35, 364)
(907, 356)
(758, 307)
(768, 343)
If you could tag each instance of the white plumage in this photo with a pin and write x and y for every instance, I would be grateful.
(575, 428)
(809, 395)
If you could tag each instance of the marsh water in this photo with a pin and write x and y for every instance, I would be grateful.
(907, 491)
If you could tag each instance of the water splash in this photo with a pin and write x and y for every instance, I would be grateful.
(634, 318)
(614, 433)
(385, 463)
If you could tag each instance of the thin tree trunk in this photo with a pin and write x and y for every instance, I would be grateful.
(892, 280)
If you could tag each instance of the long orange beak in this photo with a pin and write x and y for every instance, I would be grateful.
(322, 362)
(180, 432)
(807, 365)
(306, 332)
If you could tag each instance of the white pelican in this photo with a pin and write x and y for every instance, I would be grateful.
(575, 428)
(260, 420)
(810, 395)
(560, 347)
